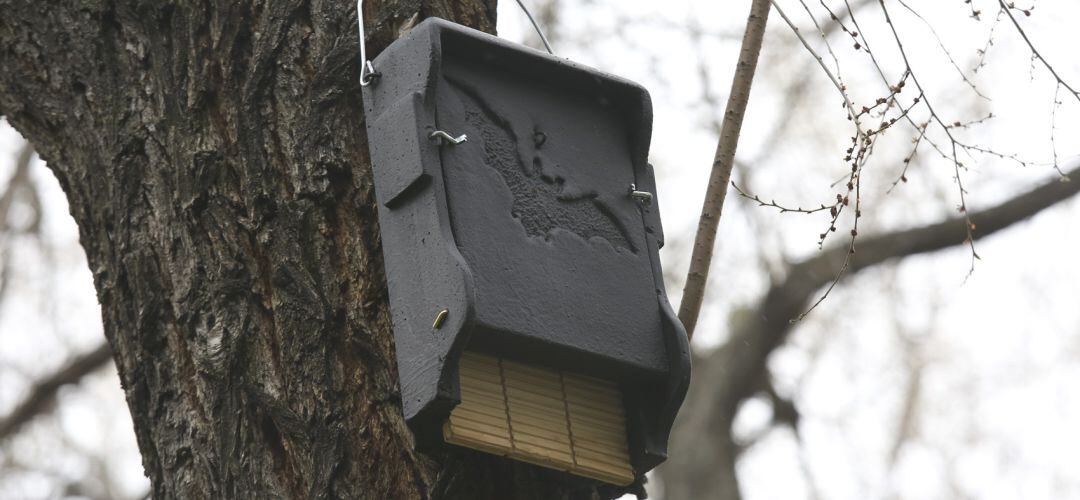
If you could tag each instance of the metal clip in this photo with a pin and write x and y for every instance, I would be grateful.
(368, 75)
(442, 138)
(643, 197)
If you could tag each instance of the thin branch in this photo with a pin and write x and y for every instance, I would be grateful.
(762, 203)
(824, 37)
(19, 183)
(957, 165)
(808, 275)
(1053, 130)
(862, 143)
(906, 427)
(865, 150)
(821, 62)
(733, 372)
(945, 50)
(1035, 52)
(705, 240)
(921, 129)
(44, 391)
(911, 156)
(793, 96)
(989, 42)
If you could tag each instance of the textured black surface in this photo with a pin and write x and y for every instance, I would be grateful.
(525, 233)
(543, 201)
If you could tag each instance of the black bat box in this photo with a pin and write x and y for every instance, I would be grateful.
(519, 229)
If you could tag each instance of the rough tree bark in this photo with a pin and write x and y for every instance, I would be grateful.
(214, 157)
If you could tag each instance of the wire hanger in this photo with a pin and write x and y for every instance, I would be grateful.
(368, 75)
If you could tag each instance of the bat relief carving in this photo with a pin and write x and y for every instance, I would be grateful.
(543, 200)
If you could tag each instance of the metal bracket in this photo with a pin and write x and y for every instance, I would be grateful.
(643, 197)
(441, 138)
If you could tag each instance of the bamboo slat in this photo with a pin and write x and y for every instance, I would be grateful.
(546, 417)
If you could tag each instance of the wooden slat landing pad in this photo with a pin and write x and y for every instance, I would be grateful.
(546, 417)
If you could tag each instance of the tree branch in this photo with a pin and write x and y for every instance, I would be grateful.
(705, 241)
(1007, 9)
(731, 373)
(44, 391)
(19, 182)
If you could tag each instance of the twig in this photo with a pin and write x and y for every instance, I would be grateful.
(1035, 52)
(909, 157)
(937, 118)
(781, 208)
(855, 182)
(853, 115)
(824, 39)
(945, 50)
(989, 42)
(1053, 132)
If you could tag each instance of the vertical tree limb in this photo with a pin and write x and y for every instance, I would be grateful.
(716, 192)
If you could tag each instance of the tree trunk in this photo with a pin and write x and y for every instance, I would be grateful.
(214, 157)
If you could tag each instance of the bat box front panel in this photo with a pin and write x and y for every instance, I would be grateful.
(539, 206)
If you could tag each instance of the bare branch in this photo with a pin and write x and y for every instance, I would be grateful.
(734, 371)
(705, 241)
(906, 426)
(42, 394)
(821, 62)
(762, 203)
(20, 180)
(957, 165)
(1035, 52)
(945, 50)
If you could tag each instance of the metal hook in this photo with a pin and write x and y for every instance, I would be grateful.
(441, 138)
(368, 75)
(643, 197)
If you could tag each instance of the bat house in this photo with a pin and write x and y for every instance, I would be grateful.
(520, 236)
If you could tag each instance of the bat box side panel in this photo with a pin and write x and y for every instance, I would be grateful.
(425, 272)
